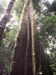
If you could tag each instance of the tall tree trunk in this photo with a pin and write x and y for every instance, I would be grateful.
(5, 18)
(21, 64)
(28, 48)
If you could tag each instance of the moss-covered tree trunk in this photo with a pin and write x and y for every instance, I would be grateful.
(5, 18)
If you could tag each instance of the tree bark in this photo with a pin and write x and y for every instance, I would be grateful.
(5, 18)
(18, 65)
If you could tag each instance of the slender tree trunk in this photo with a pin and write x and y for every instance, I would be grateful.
(33, 37)
(37, 53)
(5, 18)
(45, 65)
(42, 62)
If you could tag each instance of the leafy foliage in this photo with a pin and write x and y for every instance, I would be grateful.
(6, 47)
